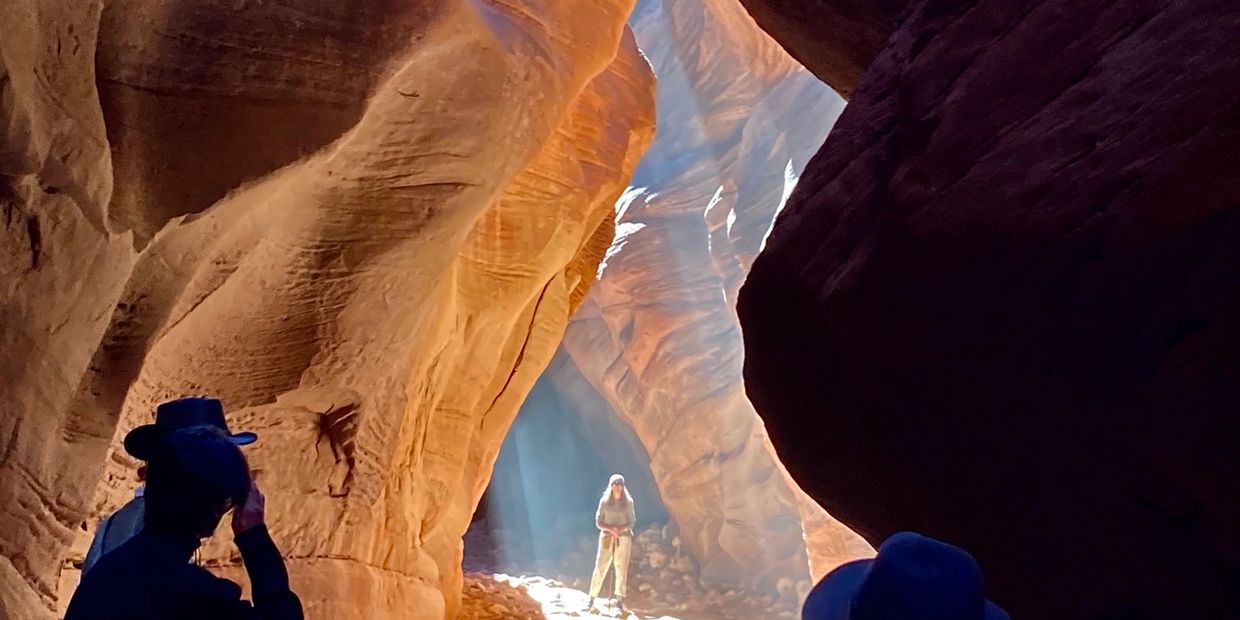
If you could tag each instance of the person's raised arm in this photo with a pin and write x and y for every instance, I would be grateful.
(273, 599)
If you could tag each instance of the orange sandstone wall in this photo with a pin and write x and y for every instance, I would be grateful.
(363, 229)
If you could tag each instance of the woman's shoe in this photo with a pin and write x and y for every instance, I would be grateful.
(620, 606)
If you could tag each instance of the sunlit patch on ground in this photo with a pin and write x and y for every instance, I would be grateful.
(507, 578)
(525, 597)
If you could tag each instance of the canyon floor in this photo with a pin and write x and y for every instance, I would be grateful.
(531, 597)
(502, 582)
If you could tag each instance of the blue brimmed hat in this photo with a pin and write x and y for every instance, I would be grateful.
(143, 441)
(912, 577)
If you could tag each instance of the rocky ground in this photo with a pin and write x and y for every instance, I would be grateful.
(505, 581)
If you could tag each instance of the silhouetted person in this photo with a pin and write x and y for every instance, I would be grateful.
(913, 578)
(118, 527)
(615, 519)
(195, 475)
(123, 524)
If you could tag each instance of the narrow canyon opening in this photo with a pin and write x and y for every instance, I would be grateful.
(647, 380)
(530, 549)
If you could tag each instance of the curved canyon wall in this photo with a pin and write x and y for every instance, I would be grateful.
(658, 338)
(1002, 306)
(363, 227)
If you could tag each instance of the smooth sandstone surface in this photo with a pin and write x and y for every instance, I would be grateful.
(60, 277)
(1002, 306)
(364, 228)
(658, 338)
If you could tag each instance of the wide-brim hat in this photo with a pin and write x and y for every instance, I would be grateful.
(912, 577)
(144, 441)
(204, 459)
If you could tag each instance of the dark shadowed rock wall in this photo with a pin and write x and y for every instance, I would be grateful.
(1003, 304)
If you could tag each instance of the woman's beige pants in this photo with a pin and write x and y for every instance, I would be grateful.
(612, 553)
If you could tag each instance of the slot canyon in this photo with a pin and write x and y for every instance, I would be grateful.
(457, 261)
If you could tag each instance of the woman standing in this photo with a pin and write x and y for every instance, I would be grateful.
(615, 520)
